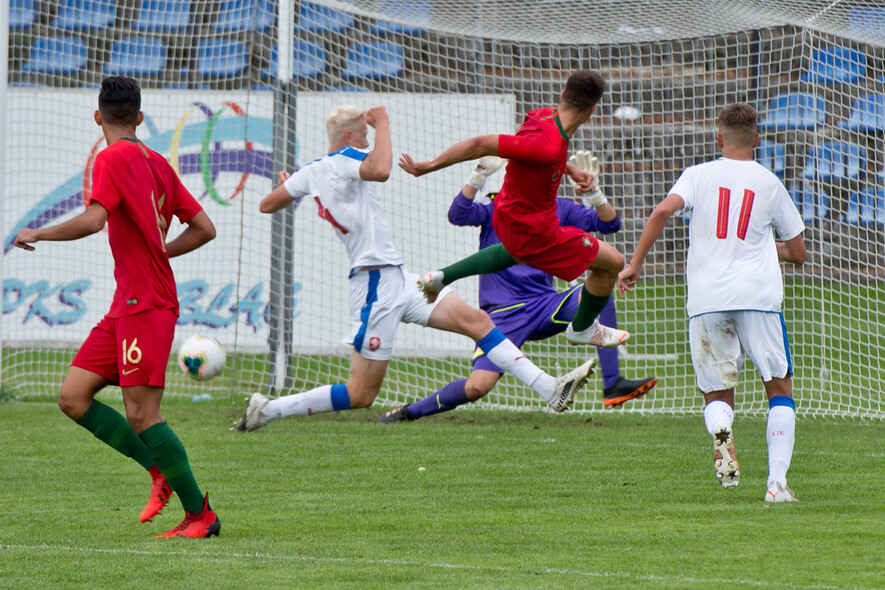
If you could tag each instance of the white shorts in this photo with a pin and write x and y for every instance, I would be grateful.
(720, 341)
(379, 301)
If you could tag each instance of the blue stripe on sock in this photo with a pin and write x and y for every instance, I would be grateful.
(782, 400)
(371, 297)
(787, 346)
(340, 398)
(491, 340)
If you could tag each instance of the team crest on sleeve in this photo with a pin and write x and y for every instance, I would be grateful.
(374, 343)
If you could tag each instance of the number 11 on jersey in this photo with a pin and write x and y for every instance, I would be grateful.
(743, 219)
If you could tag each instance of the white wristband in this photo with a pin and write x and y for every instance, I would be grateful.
(595, 199)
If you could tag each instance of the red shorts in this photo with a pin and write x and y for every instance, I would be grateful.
(564, 251)
(130, 350)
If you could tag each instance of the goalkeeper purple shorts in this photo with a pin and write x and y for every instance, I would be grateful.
(536, 319)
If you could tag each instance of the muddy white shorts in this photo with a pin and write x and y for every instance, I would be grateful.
(720, 341)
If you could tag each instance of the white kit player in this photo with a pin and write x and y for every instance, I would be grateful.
(735, 288)
(382, 292)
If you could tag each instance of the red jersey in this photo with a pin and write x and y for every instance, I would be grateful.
(141, 193)
(538, 154)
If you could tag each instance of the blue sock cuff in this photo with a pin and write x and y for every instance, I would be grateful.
(491, 340)
(782, 400)
(340, 398)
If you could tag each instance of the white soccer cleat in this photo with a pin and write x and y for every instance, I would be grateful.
(251, 420)
(431, 284)
(597, 335)
(727, 471)
(569, 384)
(778, 493)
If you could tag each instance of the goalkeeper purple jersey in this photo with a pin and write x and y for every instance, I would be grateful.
(521, 282)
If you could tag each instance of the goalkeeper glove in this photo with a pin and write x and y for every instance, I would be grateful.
(589, 163)
(485, 167)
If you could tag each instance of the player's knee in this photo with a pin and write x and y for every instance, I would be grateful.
(362, 396)
(481, 320)
(474, 390)
(72, 405)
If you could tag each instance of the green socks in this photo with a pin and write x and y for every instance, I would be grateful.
(110, 427)
(487, 261)
(588, 309)
(171, 458)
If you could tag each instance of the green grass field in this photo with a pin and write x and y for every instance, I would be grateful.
(506, 500)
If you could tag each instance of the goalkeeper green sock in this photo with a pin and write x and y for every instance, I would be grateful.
(110, 427)
(486, 261)
(588, 309)
(171, 458)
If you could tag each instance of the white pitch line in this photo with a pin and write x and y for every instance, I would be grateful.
(419, 564)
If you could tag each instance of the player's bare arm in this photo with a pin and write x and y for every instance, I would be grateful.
(583, 181)
(793, 250)
(92, 220)
(199, 231)
(378, 164)
(279, 198)
(657, 221)
(469, 149)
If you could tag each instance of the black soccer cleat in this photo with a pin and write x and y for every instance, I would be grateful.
(400, 414)
(627, 389)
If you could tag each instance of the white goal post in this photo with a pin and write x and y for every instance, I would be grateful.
(229, 109)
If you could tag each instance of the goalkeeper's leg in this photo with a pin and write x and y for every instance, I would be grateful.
(454, 394)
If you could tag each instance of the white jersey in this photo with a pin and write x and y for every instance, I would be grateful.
(350, 204)
(732, 257)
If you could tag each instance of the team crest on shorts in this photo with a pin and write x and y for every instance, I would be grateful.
(586, 241)
(374, 343)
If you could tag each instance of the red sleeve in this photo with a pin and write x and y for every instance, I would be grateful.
(186, 206)
(528, 147)
(104, 189)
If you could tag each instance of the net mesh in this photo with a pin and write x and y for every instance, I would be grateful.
(274, 291)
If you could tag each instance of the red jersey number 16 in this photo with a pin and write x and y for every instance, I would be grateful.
(743, 219)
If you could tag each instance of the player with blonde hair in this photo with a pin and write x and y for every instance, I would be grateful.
(735, 288)
(382, 292)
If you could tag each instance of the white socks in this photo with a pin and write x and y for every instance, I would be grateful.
(310, 402)
(780, 434)
(718, 412)
(509, 358)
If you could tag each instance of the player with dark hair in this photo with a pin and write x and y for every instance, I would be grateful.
(137, 193)
(525, 215)
(522, 300)
(735, 288)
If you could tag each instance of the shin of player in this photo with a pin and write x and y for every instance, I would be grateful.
(137, 193)
(735, 288)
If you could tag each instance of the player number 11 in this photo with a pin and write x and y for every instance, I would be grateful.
(722, 216)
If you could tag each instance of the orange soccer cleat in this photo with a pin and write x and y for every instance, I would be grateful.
(196, 525)
(160, 494)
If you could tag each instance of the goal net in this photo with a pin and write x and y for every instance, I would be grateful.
(228, 107)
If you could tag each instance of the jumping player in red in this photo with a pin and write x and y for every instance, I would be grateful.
(136, 192)
(525, 215)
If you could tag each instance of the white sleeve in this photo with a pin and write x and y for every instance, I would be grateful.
(785, 218)
(684, 187)
(298, 185)
(349, 162)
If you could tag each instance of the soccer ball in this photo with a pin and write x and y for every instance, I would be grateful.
(201, 357)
